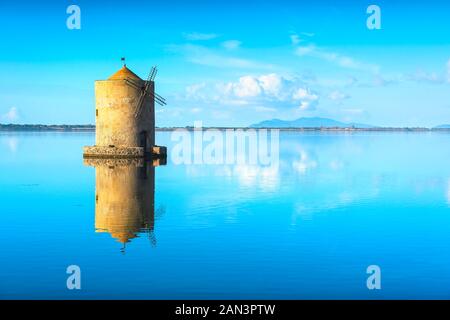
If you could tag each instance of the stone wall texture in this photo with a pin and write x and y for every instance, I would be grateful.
(116, 124)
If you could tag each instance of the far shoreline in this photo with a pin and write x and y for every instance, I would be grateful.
(91, 128)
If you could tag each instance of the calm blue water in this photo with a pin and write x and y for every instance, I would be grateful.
(336, 204)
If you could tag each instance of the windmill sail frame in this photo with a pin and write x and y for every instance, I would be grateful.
(145, 91)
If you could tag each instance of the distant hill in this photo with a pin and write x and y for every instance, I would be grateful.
(442, 126)
(314, 122)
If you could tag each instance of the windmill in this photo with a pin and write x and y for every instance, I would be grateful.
(146, 91)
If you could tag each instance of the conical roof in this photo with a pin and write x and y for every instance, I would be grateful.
(124, 73)
(123, 236)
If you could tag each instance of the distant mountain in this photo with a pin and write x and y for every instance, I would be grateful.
(314, 122)
(442, 126)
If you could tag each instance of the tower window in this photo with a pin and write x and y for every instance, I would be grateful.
(96, 112)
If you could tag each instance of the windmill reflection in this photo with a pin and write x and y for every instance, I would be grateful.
(125, 197)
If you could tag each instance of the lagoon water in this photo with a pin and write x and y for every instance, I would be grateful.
(337, 203)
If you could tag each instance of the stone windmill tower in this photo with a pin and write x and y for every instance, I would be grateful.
(125, 116)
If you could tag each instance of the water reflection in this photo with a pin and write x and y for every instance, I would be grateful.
(305, 230)
(11, 143)
(125, 197)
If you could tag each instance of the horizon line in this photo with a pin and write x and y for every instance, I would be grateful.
(91, 127)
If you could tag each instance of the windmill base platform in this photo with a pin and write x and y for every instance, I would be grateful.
(113, 152)
(123, 162)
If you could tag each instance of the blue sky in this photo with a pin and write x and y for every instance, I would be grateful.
(231, 64)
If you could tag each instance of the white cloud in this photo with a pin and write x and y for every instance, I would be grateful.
(307, 99)
(382, 81)
(271, 83)
(338, 96)
(247, 86)
(211, 57)
(12, 115)
(424, 76)
(305, 50)
(336, 58)
(296, 39)
(231, 44)
(273, 89)
(431, 77)
(196, 36)
(268, 91)
(195, 91)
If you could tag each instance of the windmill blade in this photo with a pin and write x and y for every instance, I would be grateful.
(133, 84)
(146, 92)
(159, 100)
(159, 97)
(140, 104)
(153, 75)
(142, 99)
(162, 103)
